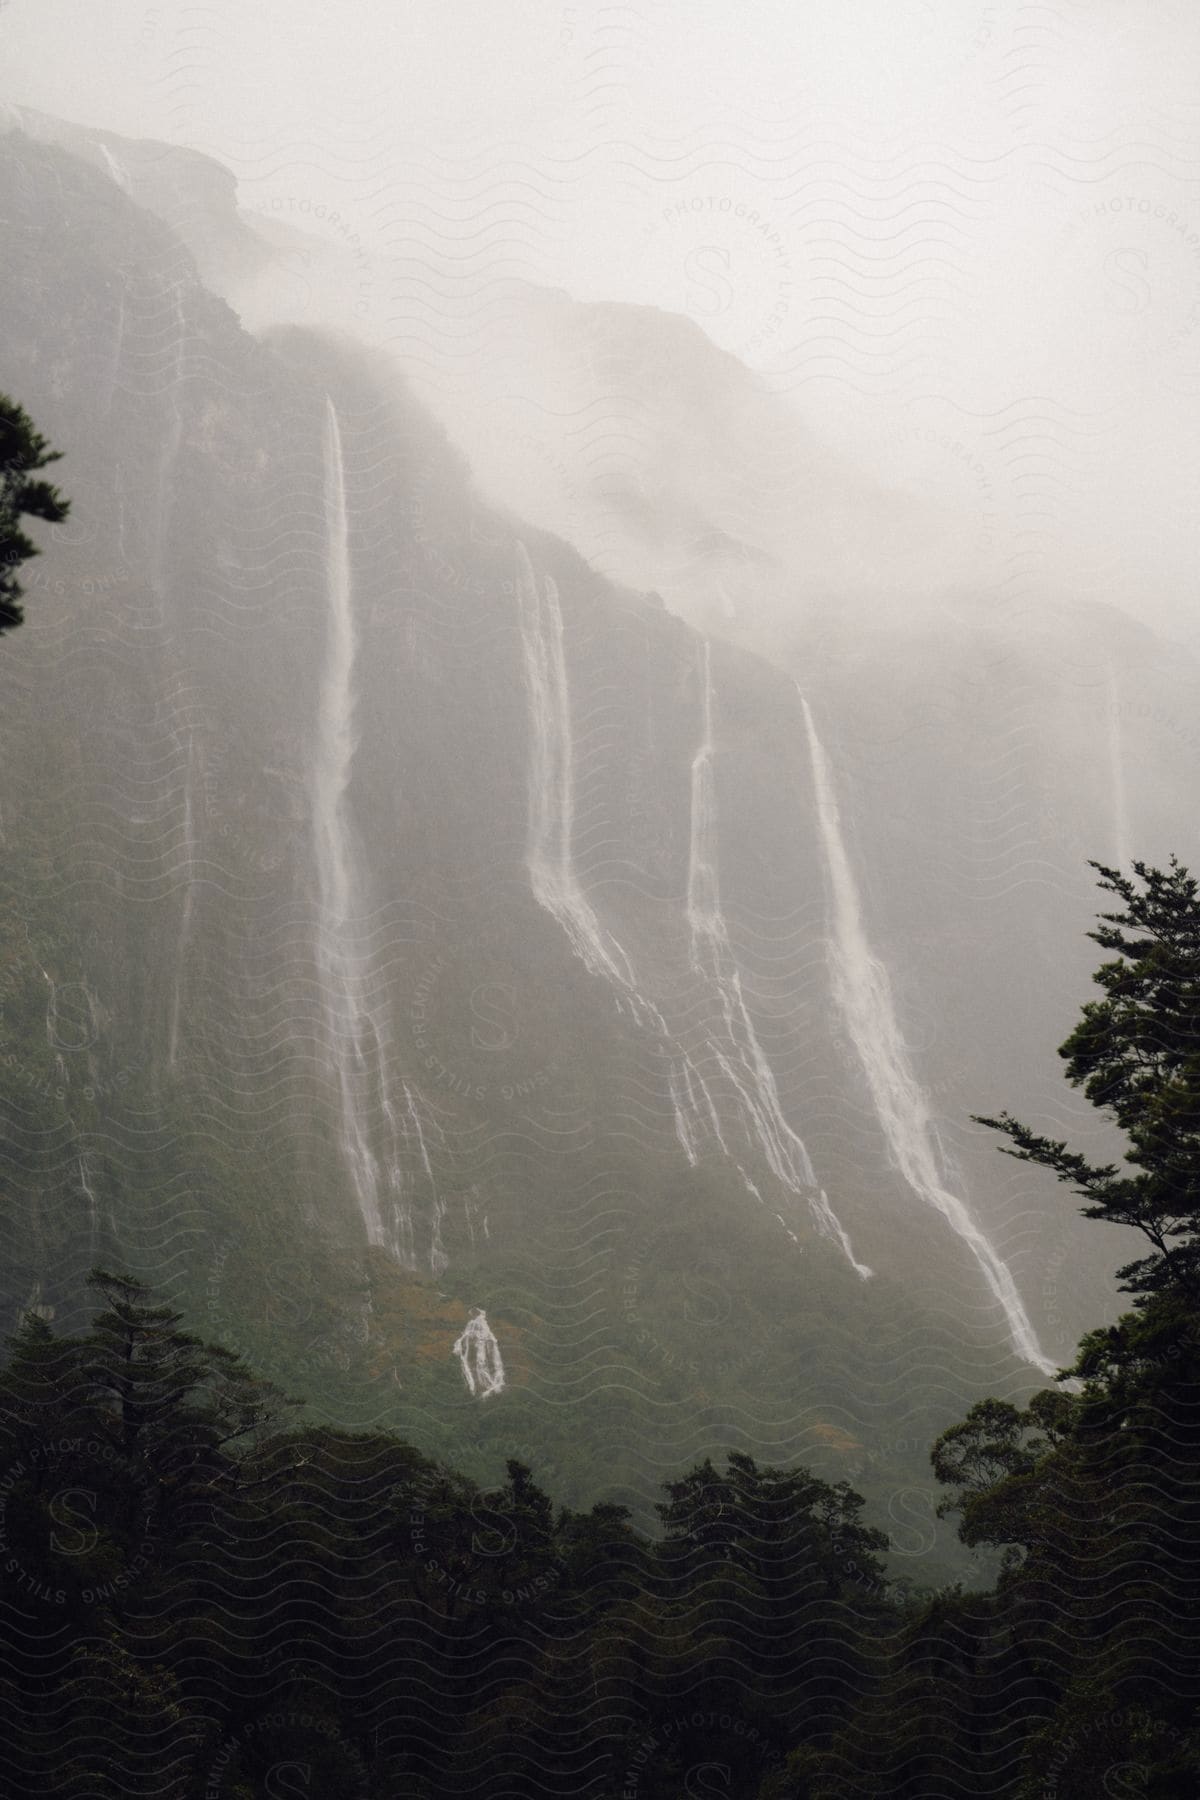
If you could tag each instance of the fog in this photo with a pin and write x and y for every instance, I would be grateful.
(958, 245)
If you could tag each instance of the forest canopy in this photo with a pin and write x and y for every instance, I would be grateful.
(242, 1595)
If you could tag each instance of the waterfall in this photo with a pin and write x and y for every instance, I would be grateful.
(1116, 769)
(863, 995)
(110, 389)
(115, 169)
(437, 1258)
(356, 1039)
(340, 964)
(741, 1058)
(479, 1354)
(549, 847)
(685, 1131)
(93, 1206)
(169, 360)
(408, 1136)
(51, 1006)
(475, 1217)
(549, 854)
(549, 858)
(185, 921)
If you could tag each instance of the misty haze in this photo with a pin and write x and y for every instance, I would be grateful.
(600, 691)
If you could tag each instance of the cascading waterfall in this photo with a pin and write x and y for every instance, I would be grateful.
(741, 1059)
(549, 846)
(342, 971)
(93, 1206)
(185, 921)
(684, 1128)
(863, 994)
(1116, 769)
(115, 169)
(356, 1040)
(120, 177)
(169, 362)
(414, 1129)
(556, 886)
(480, 1358)
(111, 379)
(475, 1217)
(408, 1137)
(51, 1006)
(549, 849)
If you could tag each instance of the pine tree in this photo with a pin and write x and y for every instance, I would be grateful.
(23, 451)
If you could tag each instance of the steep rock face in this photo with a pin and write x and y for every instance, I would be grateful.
(988, 735)
(159, 820)
(981, 769)
(394, 907)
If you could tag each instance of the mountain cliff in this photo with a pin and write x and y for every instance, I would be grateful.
(502, 1010)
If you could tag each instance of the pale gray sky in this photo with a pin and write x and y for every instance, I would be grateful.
(962, 238)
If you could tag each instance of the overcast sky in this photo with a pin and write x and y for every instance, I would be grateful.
(963, 238)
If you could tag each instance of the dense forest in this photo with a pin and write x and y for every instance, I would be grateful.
(205, 1595)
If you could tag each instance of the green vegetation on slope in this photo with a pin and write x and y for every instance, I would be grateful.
(202, 1597)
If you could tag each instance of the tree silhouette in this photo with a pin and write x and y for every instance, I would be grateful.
(1136, 1055)
(23, 451)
